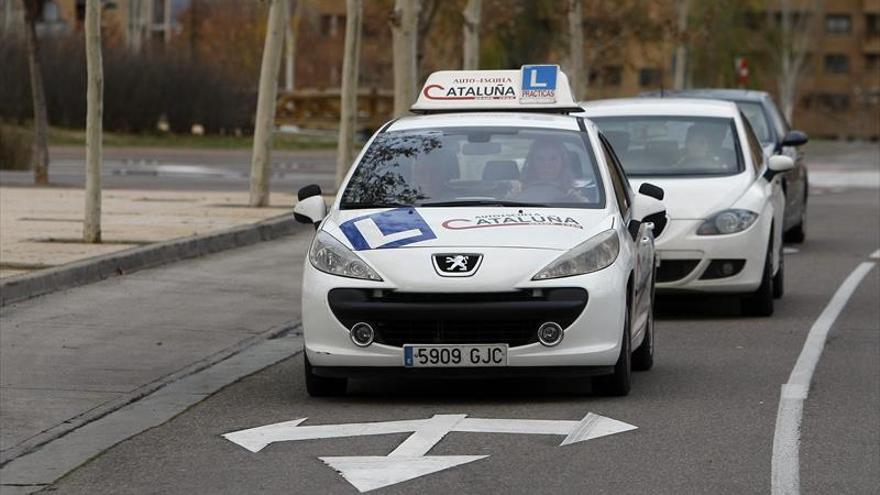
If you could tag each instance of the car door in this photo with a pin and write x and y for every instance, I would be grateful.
(641, 238)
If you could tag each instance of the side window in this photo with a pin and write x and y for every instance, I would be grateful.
(618, 180)
(754, 146)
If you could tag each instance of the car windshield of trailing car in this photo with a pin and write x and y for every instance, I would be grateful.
(674, 145)
(758, 119)
(476, 166)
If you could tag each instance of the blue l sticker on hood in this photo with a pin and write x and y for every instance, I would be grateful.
(387, 229)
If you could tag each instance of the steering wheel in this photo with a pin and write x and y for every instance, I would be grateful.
(543, 191)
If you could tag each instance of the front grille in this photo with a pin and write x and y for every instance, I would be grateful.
(510, 318)
(672, 270)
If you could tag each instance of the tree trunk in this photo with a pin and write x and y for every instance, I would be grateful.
(290, 38)
(94, 111)
(575, 48)
(348, 107)
(471, 35)
(40, 148)
(681, 54)
(265, 119)
(166, 21)
(404, 21)
(796, 37)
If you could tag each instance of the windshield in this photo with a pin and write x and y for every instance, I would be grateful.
(673, 146)
(470, 166)
(755, 113)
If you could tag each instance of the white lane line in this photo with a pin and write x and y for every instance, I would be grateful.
(785, 463)
(875, 255)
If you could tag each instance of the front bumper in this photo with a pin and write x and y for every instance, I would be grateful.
(592, 335)
(732, 263)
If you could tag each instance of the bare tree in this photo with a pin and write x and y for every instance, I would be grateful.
(40, 149)
(576, 48)
(404, 21)
(265, 119)
(681, 55)
(471, 35)
(291, 36)
(348, 110)
(94, 111)
(794, 36)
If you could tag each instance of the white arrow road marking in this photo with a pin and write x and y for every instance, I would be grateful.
(429, 435)
(255, 439)
(409, 459)
(371, 472)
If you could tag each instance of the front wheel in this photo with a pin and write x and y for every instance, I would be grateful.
(643, 357)
(798, 233)
(322, 386)
(760, 302)
(618, 383)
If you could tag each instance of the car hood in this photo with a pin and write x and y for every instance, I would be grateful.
(556, 229)
(693, 198)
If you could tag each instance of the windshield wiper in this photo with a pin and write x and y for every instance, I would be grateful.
(367, 206)
(481, 202)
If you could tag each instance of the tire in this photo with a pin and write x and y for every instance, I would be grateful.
(643, 357)
(618, 383)
(798, 233)
(322, 386)
(760, 302)
(779, 278)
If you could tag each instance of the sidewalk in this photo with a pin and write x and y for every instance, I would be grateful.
(77, 353)
(42, 227)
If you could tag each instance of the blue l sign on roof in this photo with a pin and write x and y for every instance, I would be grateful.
(387, 229)
(539, 77)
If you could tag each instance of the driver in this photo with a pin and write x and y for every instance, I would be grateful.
(547, 175)
(699, 145)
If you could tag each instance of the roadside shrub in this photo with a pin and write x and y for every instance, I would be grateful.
(138, 90)
(15, 147)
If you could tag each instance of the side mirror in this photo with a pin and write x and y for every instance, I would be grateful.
(651, 190)
(780, 163)
(795, 138)
(310, 208)
(647, 208)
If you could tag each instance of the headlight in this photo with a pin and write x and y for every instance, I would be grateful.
(591, 256)
(331, 256)
(728, 222)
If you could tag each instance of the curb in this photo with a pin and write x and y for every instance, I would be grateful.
(91, 270)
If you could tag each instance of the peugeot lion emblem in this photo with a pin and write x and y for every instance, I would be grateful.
(456, 264)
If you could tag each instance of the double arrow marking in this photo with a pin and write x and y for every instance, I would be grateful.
(409, 459)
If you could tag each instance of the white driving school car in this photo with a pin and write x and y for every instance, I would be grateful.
(725, 204)
(492, 235)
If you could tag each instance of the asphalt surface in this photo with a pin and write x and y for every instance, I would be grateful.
(184, 169)
(705, 414)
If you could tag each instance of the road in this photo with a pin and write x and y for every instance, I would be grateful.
(705, 414)
(184, 169)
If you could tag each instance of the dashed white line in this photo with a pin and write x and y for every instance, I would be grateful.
(875, 255)
(785, 463)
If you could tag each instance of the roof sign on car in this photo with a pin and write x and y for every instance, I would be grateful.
(542, 88)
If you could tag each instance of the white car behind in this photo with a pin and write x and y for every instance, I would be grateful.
(723, 196)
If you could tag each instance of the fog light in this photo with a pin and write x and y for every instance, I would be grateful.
(362, 334)
(550, 334)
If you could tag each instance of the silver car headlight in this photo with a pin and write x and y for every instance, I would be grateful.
(728, 222)
(331, 256)
(590, 256)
